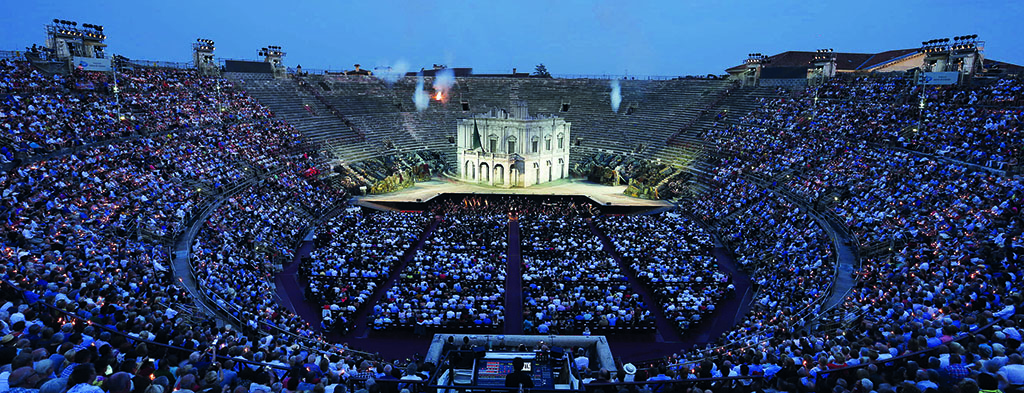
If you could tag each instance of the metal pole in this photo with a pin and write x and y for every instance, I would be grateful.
(920, 107)
(117, 97)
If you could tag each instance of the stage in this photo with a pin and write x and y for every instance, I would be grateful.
(419, 195)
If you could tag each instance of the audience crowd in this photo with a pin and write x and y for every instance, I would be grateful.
(356, 252)
(948, 282)
(87, 239)
(456, 279)
(671, 255)
(96, 193)
(570, 283)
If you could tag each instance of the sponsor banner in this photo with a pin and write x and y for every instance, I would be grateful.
(91, 64)
(940, 78)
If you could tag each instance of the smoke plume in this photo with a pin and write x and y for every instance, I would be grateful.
(420, 97)
(392, 73)
(616, 95)
(444, 80)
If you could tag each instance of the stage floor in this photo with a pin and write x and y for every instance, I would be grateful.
(600, 194)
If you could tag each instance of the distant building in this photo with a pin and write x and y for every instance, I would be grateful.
(800, 68)
(794, 68)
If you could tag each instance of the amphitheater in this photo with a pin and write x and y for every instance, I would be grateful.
(305, 232)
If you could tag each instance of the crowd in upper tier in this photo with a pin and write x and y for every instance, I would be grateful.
(949, 276)
(87, 237)
(96, 188)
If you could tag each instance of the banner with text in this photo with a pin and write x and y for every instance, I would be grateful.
(940, 78)
(91, 64)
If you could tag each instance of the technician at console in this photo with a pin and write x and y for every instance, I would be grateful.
(518, 378)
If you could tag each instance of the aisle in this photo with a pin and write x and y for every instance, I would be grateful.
(514, 281)
(290, 289)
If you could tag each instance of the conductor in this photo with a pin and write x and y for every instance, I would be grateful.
(519, 378)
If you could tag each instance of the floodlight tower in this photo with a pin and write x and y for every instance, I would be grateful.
(936, 54)
(272, 54)
(755, 62)
(202, 56)
(824, 66)
(965, 55)
(67, 39)
(962, 54)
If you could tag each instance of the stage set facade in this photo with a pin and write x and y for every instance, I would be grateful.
(513, 149)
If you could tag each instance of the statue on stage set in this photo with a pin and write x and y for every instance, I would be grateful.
(513, 149)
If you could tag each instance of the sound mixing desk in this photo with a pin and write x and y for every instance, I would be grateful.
(493, 367)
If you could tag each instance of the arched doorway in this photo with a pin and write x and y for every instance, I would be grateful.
(485, 173)
(536, 177)
(551, 171)
(470, 171)
(561, 168)
(499, 175)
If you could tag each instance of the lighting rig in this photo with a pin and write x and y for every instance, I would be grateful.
(961, 54)
(68, 39)
(271, 51)
(756, 58)
(822, 55)
(202, 55)
(824, 63)
(272, 54)
(754, 62)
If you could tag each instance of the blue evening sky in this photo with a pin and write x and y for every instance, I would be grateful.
(570, 37)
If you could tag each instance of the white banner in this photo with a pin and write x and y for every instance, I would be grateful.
(940, 78)
(91, 64)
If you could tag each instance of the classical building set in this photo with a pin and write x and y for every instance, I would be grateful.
(513, 149)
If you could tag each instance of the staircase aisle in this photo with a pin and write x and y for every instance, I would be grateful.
(514, 281)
